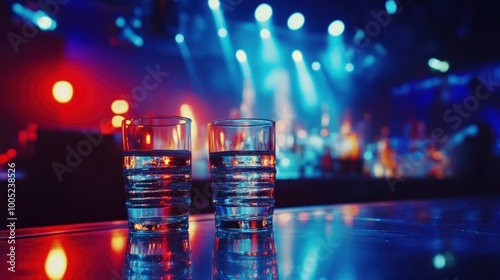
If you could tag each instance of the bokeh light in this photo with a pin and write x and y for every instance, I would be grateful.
(241, 56)
(116, 121)
(265, 33)
(214, 4)
(222, 32)
(336, 28)
(349, 67)
(62, 91)
(119, 106)
(263, 12)
(316, 66)
(179, 38)
(56, 263)
(391, 7)
(296, 21)
(11, 153)
(297, 56)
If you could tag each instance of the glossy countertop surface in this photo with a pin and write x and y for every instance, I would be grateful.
(455, 238)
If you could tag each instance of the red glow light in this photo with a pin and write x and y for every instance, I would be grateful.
(3, 158)
(11, 153)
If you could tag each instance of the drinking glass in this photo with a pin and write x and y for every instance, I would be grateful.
(157, 172)
(242, 168)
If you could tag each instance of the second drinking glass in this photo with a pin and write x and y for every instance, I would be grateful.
(242, 167)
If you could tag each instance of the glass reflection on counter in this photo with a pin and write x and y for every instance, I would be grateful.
(164, 256)
(239, 255)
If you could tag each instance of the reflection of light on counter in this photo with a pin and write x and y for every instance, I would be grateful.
(56, 263)
(118, 241)
(349, 212)
(303, 216)
(284, 218)
(318, 213)
(439, 261)
(328, 217)
(442, 260)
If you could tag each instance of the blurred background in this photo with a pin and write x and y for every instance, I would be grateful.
(374, 100)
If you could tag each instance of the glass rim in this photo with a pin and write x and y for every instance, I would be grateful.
(242, 122)
(181, 120)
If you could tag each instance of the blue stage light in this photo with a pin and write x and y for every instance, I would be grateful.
(263, 12)
(349, 67)
(214, 4)
(179, 38)
(241, 56)
(297, 56)
(336, 28)
(43, 21)
(434, 63)
(265, 33)
(120, 22)
(391, 7)
(369, 60)
(296, 21)
(316, 66)
(137, 23)
(39, 18)
(222, 32)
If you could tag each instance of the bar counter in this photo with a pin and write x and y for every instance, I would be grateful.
(455, 238)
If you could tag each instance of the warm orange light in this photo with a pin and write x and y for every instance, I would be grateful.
(352, 138)
(148, 139)
(62, 91)
(345, 128)
(222, 138)
(11, 153)
(280, 126)
(118, 242)
(56, 263)
(301, 133)
(187, 111)
(166, 160)
(119, 106)
(303, 216)
(437, 155)
(349, 212)
(116, 121)
(284, 218)
(192, 227)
